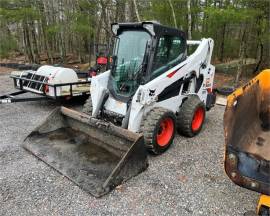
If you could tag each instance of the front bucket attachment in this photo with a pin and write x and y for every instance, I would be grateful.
(247, 134)
(95, 155)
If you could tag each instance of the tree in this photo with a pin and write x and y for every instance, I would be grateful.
(174, 18)
(52, 31)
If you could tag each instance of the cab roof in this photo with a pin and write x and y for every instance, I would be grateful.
(154, 28)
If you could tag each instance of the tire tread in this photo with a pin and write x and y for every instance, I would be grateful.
(185, 115)
(148, 126)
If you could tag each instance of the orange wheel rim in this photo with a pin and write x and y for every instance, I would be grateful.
(197, 119)
(165, 132)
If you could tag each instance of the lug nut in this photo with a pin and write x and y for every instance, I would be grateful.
(253, 185)
(233, 174)
(232, 156)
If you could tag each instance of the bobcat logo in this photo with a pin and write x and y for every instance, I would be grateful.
(152, 92)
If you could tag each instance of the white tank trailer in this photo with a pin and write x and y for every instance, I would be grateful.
(49, 82)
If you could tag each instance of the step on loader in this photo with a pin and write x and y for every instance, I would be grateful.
(247, 138)
(152, 90)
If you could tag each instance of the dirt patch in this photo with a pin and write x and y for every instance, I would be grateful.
(222, 80)
(5, 70)
(189, 177)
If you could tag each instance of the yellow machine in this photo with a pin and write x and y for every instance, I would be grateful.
(263, 205)
(247, 138)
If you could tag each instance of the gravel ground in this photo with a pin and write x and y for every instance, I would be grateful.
(187, 180)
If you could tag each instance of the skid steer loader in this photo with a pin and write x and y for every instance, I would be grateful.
(247, 138)
(152, 90)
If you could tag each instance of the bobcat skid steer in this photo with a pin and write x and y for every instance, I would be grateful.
(152, 90)
(247, 138)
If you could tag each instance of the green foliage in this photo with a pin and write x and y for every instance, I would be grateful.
(7, 45)
(18, 11)
(82, 21)
(160, 11)
(64, 25)
(223, 20)
(52, 30)
(80, 24)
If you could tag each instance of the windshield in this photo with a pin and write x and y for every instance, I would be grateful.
(129, 51)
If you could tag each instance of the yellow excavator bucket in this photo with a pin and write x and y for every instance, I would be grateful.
(247, 134)
(263, 205)
(94, 154)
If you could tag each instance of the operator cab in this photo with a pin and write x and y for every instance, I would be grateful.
(142, 51)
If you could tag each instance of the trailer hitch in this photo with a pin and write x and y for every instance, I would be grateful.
(11, 98)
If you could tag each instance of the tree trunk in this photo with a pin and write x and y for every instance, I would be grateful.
(105, 19)
(259, 58)
(35, 44)
(223, 32)
(62, 38)
(189, 20)
(27, 43)
(259, 54)
(120, 11)
(242, 52)
(46, 44)
(127, 12)
(173, 13)
(204, 25)
(99, 26)
(136, 10)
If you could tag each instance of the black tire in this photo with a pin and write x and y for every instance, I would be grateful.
(157, 122)
(264, 211)
(23, 67)
(226, 90)
(88, 107)
(186, 122)
(35, 67)
(13, 65)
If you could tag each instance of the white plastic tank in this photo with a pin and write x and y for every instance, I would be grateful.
(58, 75)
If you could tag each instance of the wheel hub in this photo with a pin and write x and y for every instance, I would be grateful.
(197, 119)
(165, 131)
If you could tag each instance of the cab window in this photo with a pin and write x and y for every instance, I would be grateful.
(170, 51)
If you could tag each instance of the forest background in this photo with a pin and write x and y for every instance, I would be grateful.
(51, 30)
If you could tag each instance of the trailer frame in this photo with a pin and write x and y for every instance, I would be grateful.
(18, 84)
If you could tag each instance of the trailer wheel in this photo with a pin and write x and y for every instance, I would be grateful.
(88, 107)
(191, 116)
(159, 129)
